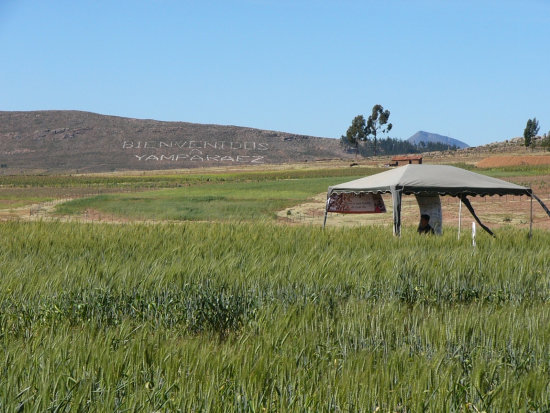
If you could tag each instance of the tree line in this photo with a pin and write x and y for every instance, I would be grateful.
(369, 137)
(393, 146)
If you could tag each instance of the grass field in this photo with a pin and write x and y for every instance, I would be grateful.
(238, 199)
(242, 314)
(231, 200)
(21, 190)
(166, 180)
(262, 317)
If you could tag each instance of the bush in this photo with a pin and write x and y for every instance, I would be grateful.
(218, 310)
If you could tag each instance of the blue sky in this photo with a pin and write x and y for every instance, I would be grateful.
(472, 70)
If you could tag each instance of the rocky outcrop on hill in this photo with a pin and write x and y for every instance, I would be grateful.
(474, 153)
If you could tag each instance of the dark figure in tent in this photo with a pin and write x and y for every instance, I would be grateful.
(424, 227)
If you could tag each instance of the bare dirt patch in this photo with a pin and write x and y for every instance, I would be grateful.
(495, 211)
(32, 212)
(45, 211)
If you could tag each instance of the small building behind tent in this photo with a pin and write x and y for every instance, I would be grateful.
(406, 160)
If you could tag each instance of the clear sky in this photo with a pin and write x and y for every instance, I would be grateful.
(472, 70)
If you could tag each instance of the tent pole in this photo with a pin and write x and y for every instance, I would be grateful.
(326, 212)
(459, 215)
(531, 220)
(468, 205)
(396, 200)
(541, 203)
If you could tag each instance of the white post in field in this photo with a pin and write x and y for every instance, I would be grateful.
(473, 234)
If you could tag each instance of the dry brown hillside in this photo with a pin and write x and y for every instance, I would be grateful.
(64, 141)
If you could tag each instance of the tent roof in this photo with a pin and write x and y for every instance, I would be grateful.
(441, 179)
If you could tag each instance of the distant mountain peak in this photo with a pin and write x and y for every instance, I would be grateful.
(423, 136)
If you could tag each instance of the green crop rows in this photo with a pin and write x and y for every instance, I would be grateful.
(173, 180)
(265, 317)
(217, 201)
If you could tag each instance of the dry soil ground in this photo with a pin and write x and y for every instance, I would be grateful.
(516, 160)
(494, 211)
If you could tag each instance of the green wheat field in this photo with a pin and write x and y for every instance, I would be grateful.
(257, 316)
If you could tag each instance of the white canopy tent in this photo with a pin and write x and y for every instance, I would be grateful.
(431, 180)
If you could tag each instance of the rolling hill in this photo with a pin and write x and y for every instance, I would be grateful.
(60, 141)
